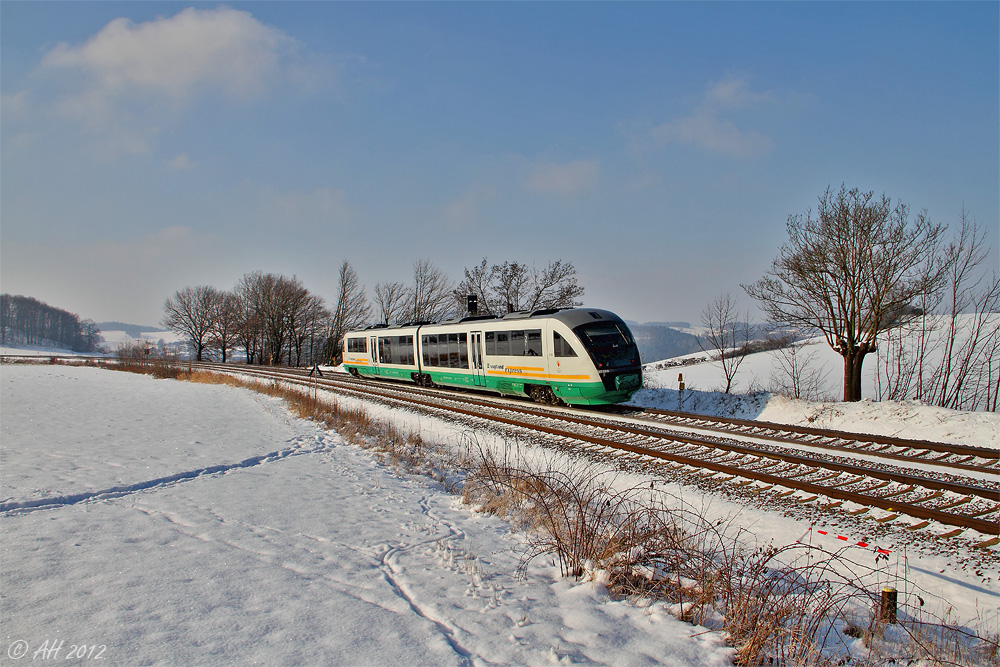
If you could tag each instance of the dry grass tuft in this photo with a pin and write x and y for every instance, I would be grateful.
(135, 357)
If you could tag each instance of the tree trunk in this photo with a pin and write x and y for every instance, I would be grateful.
(853, 361)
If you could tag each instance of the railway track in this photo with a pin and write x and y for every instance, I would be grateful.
(961, 457)
(954, 485)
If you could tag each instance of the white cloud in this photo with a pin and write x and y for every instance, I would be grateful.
(733, 93)
(181, 161)
(131, 79)
(320, 208)
(14, 105)
(564, 179)
(709, 125)
(174, 58)
(465, 211)
(704, 129)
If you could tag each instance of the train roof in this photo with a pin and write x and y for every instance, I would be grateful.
(572, 317)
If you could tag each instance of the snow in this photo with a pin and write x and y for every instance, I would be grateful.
(168, 522)
(38, 350)
(162, 522)
(703, 394)
(114, 338)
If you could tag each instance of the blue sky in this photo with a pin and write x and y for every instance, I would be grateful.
(659, 147)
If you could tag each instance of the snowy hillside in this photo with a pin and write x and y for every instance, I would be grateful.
(704, 381)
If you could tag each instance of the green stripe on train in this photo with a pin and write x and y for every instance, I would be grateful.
(574, 393)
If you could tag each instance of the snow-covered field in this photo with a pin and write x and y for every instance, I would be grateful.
(165, 522)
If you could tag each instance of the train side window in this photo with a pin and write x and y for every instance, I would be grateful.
(503, 342)
(491, 343)
(385, 350)
(561, 346)
(430, 347)
(517, 343)
(406, 344)
(357, 345)
(452, 352)
(533, 344)
(463, 351)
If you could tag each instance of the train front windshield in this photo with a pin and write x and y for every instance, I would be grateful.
(610, 344)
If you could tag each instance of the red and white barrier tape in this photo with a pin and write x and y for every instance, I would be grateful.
(863, 545)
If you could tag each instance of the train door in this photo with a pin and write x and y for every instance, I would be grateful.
(373, 351)
(476, 358)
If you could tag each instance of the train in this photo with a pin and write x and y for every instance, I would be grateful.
(571, 356)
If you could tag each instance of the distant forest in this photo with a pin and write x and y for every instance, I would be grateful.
(27, 321)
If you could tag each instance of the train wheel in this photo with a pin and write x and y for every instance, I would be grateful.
(543, 394)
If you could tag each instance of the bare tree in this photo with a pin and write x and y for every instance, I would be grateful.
(390, 301)
(798, 374)
(270, 306)
(189, 312)
(555, 286)
(851, 273)
(728, 334)
(308, 319)
(430, 295)
(478, 282)
(316, 325)
(250, 333)
(965, 339)
(947, 355)
(226, 323)
(513, 286)
(351, 310)
(271, 311)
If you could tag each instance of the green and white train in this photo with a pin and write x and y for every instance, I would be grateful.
(576, 356)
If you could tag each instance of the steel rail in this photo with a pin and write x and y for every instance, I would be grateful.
(940, 447)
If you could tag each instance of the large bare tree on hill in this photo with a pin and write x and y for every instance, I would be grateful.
(851, 273)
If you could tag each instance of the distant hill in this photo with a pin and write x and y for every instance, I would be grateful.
(133, 330)
(672, 325)
(657, 342)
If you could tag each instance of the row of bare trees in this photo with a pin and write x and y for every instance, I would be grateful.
(870, 279)
(27, 321)
(275, 320)
(512, 286)
(948, 353)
